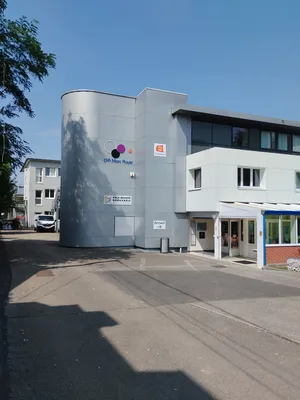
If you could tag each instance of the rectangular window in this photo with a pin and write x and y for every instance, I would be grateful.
(298, 229)
(50, 172)
(286, 229)
(240, 137)
(197, 178)
(268, 140)
(58, 171)
(282, 142)
(38, 197)
(296, 143)
(298, 180)
(251, 232)
(256, 177)
(201, 132)
(222, 135)
(248, 177)
(39, 175)
(49, 193)
(201, 226)
(272, 229)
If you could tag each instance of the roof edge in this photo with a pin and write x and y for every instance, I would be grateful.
(28, 160)
(96, 91)
(194, 110)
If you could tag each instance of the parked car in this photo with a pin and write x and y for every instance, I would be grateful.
(44, 223)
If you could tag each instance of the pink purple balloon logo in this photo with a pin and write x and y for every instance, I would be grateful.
(115, 150)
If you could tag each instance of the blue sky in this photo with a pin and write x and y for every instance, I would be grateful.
(239, 55)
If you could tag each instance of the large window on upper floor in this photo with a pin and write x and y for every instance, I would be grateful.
(206, 135)
(274, 141)
(240, 137)
(249, 177)
(296, 143)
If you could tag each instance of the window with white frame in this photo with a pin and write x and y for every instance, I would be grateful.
(38, 197)
(197, 178)
(39, 175)
(298, 180)
(49, 193)
(248, 177)
(50, 172)
(282, 229)
(58, 171)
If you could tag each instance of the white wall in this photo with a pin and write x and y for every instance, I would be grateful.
(219, 178)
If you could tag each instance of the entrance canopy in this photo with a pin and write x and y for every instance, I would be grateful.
(253, 210)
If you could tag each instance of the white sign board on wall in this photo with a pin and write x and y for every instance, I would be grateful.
(160, 149)
(117, 200)
(159, 224)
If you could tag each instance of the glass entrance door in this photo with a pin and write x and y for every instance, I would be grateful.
(225, 236)
(234, 239)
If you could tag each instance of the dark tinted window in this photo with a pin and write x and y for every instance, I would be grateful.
(222, 135)
(254, 139)
(201, 132)
(239, 137)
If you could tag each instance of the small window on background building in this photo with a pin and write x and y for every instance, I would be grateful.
(197, 178)
(49, 193)
(39, 175)
(50, 172)
(268, 140)
(38, 197)
(58, 171)
(251, 232)
(296, 143)
(282, 142)
(240, 137)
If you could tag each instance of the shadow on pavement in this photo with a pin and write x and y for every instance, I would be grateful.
(5, 280)
(26, 257)
(65, 354)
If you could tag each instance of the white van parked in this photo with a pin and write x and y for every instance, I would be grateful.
(44, 223)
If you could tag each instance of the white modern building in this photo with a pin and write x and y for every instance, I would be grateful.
(136, 169)
(41, 183)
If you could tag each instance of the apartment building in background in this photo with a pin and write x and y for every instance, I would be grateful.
(41, 184)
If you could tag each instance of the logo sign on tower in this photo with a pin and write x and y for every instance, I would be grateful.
(160, 149)
(115, 152)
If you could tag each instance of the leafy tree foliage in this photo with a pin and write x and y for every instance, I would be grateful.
(22, 60)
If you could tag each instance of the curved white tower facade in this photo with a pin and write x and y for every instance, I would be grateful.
(97, 158)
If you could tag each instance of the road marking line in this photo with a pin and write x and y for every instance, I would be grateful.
(190, 265)
(143, 263)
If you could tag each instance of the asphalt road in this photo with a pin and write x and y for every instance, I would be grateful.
(124, 324)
